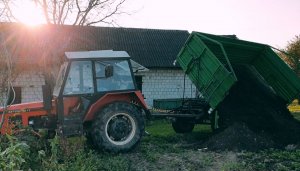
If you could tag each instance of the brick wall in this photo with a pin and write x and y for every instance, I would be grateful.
(163, 84)
(31, 86)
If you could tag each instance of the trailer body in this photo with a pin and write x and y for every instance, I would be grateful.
(211, 63)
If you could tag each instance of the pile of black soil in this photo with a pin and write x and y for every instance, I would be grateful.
(253, 102)
(238, 137)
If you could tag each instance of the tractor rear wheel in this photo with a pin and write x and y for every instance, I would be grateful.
(118, 127)
(183, 125)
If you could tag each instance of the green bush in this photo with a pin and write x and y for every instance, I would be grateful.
(14, 155)
(57, 154)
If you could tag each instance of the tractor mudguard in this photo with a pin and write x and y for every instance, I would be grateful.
(134, 97)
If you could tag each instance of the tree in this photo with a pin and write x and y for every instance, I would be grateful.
(58, 12)
(293, 54)
(7, 74)
(74, 12)
(5, 11)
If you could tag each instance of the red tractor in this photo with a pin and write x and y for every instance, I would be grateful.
(95, 94)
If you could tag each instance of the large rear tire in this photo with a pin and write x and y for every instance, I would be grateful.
(118, 127)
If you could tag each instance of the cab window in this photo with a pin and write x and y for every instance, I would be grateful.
(80, 78)
(120, 79)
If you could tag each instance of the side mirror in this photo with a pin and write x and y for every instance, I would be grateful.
(109, 71)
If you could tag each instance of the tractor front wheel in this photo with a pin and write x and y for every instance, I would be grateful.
(118, 127)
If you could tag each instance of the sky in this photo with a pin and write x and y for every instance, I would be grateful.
(273, 22)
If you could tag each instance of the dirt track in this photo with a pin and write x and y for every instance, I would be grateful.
(236, 148)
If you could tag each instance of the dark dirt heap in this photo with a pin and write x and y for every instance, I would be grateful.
(258, 111)
(238, 137)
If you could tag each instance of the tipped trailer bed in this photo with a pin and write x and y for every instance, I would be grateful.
(236, 78)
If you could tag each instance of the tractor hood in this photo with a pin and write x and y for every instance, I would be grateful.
(24, 107)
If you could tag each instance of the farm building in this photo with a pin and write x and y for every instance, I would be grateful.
(153, 50)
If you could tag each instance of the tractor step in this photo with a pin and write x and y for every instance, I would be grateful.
(72, 126)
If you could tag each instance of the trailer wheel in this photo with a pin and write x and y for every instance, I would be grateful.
(183, 125)
(118, 127)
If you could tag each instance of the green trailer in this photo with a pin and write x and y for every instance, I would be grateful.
(210, 61)
(237, 81)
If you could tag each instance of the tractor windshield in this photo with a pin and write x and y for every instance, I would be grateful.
(60, 79)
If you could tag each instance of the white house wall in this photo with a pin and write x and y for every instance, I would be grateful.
(31, 86)
(157, 84)
(164, 84)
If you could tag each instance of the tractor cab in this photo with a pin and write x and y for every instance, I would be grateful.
(94, 72)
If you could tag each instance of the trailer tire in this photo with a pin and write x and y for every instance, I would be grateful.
(118, 127)
(183, 125)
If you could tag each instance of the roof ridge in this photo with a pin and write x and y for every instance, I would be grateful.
(107, 27)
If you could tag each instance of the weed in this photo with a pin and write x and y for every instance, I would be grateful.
(272, 160)
(233, 166)
(15, 155)
(206, 160)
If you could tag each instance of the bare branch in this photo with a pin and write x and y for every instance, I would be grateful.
(8, 12)
(54, 12)
(63, 20)
(61, 10)
(76, 12)
(45, 10)
(114, 12)
(92, 4)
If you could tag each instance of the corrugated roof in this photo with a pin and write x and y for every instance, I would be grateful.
(149, 47)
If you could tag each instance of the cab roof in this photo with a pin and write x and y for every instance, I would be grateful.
(96, 54)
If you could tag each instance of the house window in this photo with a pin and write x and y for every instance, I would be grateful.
(139, 82)
(18, 95)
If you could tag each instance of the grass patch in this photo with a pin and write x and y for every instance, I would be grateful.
(165, 138)
(162, 139)
(233, 166)
(271, 159)
(162, 129)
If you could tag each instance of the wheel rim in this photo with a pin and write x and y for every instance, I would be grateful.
(120, 128)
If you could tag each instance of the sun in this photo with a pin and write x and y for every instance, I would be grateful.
(28, 13)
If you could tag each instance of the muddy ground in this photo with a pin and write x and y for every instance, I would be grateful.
(186, 160)
(235, 148)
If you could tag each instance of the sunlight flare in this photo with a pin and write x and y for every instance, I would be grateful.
(28, 13)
